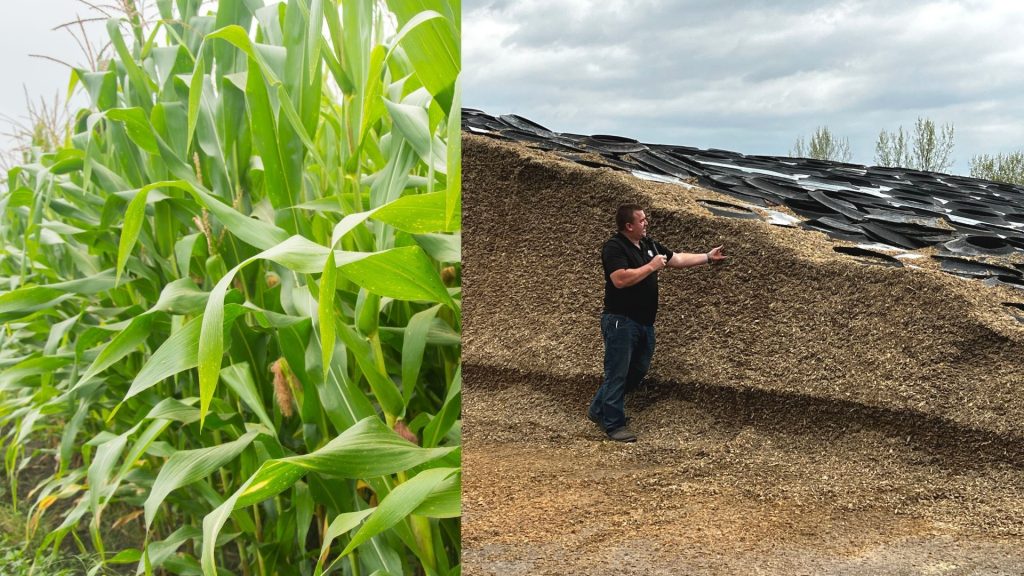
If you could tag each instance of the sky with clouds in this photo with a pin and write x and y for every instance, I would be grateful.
(752, 76)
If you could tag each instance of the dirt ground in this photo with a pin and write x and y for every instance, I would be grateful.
(719, 483)
(808, 414)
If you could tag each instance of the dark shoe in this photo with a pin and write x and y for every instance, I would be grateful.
(622, 434)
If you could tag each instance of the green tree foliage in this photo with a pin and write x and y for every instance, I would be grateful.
(1000, 168)
(230, 299)
(926, 148)
(823, 146)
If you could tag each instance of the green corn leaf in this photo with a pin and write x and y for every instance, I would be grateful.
(344, 402)
(170, 125)
(366, 450)
(101, 87)
(295, 122)
(454, 192)
(389, 183)
(433, 46)
(211, 343)
(24, 301)
(401, 502)
(101, 483)
(22, 371)
(342, 524)
(238, 37)
(264, 134)
(438, 334)
(356, 44)
(127, 341)
(166, 58)
(141, 446)
(181, 297)
(313, 36)
(249, 230)
(325, 312)
(137, 125)
(183, 249)
(445, 500)
(322, 205)
(211, 143)
(347, 224)
(70, 434)
(411, 25)
(272, 478)
(212, 524)
(133, 218)
(187, 466)
(140, 81)
(442, 422)
(333, 64)
(174, 409)
(126, 556)
(402, 273)
(302, 501)
(178, 353)
(195, 93)
(103, 466)
(159, 552)
(415, 213)
(296, 253)
(441, 247)
(383, 387)
(414, 125)
(239, 378)
(413, 345)
(371, 97)
(100, 282)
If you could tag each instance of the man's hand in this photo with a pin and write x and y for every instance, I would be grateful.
(658, 262)
(716, 255)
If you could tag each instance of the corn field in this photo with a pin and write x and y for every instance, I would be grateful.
(231, 298)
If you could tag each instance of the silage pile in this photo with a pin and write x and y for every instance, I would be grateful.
(786, 316)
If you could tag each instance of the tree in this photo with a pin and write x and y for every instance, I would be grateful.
(1001, 167)
(823, 146)
(924, 149)
(891, 149)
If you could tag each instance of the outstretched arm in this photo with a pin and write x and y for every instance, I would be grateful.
(626, 277)
(688, 259)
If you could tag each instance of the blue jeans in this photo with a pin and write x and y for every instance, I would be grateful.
(628, 347)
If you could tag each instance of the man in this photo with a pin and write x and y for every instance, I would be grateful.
(631, 264)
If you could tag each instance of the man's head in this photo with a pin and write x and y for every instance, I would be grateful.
(631, 221)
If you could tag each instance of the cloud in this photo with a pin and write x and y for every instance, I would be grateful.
(750, 75)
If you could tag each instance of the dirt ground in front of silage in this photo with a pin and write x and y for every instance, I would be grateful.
(723, 482)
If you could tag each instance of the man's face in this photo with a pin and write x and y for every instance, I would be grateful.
(637, 229)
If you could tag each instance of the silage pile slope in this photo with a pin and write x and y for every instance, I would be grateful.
(786, 315)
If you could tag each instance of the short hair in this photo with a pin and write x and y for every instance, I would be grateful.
(624, 215)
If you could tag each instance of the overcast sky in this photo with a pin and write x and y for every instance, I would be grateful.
(752, 76)
(27, 28)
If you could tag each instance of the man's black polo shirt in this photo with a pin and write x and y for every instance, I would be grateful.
(639, 301)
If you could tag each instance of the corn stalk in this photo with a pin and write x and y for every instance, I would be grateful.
(231, 301)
